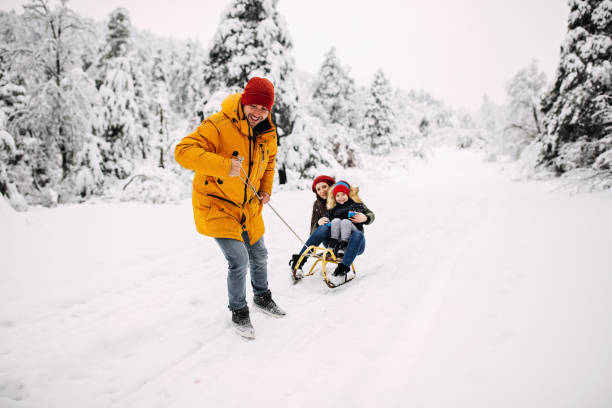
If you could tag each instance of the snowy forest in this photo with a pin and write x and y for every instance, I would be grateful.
(93, 109)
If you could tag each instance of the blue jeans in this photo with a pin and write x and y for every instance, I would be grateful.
(239, 255)
(356, 244)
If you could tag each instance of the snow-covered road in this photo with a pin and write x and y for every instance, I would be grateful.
(474, 291)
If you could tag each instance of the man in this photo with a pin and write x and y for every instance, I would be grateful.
(232, 146)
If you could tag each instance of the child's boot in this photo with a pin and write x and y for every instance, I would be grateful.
(341, 248)
(333, 245)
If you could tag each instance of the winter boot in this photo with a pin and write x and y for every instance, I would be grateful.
(333, 245)
(296, 269)
(242, 323)
(267, 305)
(341, 270)
(341, 248)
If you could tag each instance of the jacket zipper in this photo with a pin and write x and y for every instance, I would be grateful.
(262, 159)
(251, 142)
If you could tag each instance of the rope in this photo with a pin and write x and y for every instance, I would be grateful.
(247, 182)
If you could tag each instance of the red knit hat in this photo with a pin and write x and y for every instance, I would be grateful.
(258, 91)
(341, 186)
(322, 179)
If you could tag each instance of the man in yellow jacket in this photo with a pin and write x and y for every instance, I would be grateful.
(232, 146)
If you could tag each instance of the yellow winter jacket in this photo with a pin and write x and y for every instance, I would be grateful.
(223, 207)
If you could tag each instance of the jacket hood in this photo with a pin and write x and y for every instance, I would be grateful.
(353, 195)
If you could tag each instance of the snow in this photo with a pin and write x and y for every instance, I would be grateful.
(475, 290)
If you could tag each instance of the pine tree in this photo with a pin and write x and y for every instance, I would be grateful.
(334, 90)
(186, 74)
(575, 106)
(119, 118)
(378, 121)
(124, 112)
(306, 152)
(117, 44)
(252, 40)
(118, 38)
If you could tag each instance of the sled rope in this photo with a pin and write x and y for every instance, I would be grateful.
(247, 182)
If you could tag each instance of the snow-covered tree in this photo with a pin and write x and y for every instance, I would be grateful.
(161, 108)
(7, 150)
(186, 74)
(332, 102)
(334, 91)
(117, 44)
(124, 114)
(58, 110)
(523, 120)
(490, 115)
(252, 40)
(308, 150)
(343, 146)
(119, 118)
(575, 106)
(379, 119)
(118, 38)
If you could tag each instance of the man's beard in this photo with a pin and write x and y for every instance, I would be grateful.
(254, 122)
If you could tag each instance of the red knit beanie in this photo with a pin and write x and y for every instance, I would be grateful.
(322, 179)
(259, 91)
(341, 186)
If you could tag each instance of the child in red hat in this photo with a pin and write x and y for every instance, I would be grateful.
(343, 204)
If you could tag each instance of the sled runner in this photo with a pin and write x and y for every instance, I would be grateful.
(324, 256)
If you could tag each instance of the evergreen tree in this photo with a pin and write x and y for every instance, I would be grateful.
(252, 40)
(334, 90)
(118, 39)
(118, 42)
(378, 120)
(119, 118)
(575, 106)
(124, 117)
(306, 152)
(186, 74)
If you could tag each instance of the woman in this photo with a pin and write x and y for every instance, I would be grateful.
(320, 231)
(320, 186)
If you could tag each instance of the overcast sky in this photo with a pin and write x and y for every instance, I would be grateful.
(457, 50)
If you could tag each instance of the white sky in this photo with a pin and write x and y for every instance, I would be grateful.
(457, 50)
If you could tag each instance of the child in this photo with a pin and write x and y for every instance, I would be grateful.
(343, 204)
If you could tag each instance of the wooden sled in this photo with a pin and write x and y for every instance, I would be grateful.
(324, 256)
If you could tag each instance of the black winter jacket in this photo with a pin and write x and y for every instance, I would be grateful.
(341, 211)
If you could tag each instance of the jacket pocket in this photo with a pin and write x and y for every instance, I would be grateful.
(217, 212)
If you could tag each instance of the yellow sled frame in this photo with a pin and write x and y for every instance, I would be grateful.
(324, 255)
